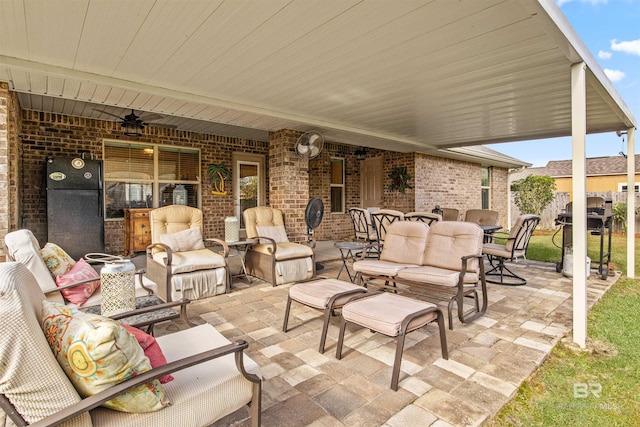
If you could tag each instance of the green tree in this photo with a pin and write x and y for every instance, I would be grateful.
(619, 212)
(533, 193)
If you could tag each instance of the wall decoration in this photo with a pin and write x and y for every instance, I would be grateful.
(219, 174)
(399, 179)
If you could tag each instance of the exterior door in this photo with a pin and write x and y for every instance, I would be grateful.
(371, 180)
(248, 183)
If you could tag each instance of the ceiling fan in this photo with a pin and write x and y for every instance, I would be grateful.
(134, 124)
(309, 145)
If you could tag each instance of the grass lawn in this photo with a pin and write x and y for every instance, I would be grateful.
(544, 246)
(599, 386)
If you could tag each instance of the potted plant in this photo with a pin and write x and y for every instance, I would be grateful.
(218, 174)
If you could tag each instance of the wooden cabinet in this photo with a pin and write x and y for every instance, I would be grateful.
(137, 230)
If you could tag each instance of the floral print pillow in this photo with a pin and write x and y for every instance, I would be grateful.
(57, 260)
(96, 353)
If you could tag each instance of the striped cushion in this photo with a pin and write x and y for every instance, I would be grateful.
(31, 377)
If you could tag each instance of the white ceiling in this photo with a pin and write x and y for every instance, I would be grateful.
(412, 75)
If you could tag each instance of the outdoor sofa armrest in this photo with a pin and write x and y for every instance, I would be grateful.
(305, 239)
(219, 242)
(272, 243)
(96, 400)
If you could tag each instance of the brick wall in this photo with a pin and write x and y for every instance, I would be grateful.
(448, 183)
(334, 226)
(404, 202)
(291, 181)
(4, 162)
(499, 195)
(288, 182)
(48, 135)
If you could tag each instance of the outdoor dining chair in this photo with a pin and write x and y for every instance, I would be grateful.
(381, 220)
(426, 217)
(515, 247)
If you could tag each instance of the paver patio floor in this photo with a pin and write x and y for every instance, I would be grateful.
(488, 358)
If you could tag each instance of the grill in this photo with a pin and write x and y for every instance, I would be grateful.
(599, 223)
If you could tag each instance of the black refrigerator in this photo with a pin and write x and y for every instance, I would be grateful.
(75, 219)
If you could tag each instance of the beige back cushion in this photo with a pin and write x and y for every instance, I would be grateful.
(23, 247)
(30, 377)
(174, 218)
(261, 216)
(516, 229)
(405, 243)
(482, 216)
(449, 241)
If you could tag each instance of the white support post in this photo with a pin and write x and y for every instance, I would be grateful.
(579, 191)
(631, 202)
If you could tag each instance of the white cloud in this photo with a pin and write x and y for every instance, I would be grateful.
(593, 2)
(632, 47)
(604, 55)
(614, 75)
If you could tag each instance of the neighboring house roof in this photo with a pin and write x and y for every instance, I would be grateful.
(596, 166)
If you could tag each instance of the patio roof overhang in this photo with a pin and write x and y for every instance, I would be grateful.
(411, 76)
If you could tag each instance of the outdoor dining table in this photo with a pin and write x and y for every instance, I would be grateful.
(489, 231)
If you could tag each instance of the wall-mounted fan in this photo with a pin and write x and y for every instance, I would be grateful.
(309, 145)
(133, 124)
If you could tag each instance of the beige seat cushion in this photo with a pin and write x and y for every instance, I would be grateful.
(385, 313)
(186, 262)
(285, 250)
(381, 268)
(436, 276)
(495, 249)
(200, 394)
(318, 293)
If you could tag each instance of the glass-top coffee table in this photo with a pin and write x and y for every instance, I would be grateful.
(147, 319)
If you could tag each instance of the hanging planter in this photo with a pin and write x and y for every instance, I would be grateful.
(218, 174)
(399, 179)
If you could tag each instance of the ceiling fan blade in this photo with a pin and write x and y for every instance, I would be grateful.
(150, 117)
(108, 113)
(161, 125)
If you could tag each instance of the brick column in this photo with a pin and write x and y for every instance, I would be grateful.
(4, 163)
(288, 181)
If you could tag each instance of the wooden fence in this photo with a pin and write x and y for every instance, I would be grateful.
(548, 217)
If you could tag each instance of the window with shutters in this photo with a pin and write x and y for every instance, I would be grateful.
(149, 176)
(337, 185)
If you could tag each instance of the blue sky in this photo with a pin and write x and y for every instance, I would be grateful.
(610, 29)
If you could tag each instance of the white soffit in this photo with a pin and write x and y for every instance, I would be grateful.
(407, 76)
